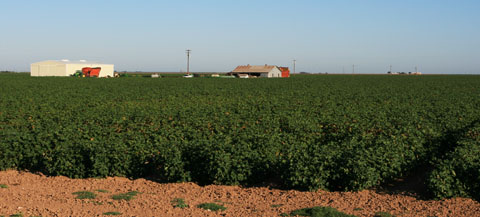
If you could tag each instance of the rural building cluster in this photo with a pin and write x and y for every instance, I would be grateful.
(267, 71)
(70, 68)
(83, 68)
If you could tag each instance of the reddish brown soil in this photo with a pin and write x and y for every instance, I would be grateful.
(39, 195)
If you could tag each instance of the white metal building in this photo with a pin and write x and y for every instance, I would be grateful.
(67, 68)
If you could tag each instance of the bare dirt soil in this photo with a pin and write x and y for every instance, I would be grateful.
(39, 195)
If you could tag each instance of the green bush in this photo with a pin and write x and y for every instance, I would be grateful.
(318, 212)
(85, 195)
(458, 175)
(179, 203)
(125, 196)
(211, 206)
(112, 213)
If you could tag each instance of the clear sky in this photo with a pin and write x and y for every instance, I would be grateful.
(440, 36)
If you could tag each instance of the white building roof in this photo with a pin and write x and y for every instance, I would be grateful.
(74, 62)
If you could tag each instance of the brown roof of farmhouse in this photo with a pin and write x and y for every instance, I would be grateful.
(253, 69)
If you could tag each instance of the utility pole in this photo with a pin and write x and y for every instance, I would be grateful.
(188, 61)
(294, 65)
(416, 69)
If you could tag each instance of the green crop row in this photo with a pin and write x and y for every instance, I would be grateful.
(333, 132)
(459, 173)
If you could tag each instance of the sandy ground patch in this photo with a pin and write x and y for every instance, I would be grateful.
(39, 195)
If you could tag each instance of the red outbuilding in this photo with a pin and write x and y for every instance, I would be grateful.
(285, 72)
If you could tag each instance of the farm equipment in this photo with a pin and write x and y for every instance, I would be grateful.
(88, 72)
(91, 72)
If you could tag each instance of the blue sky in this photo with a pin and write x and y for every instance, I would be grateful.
(440, 36)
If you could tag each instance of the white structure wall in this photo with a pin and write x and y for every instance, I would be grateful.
(275, 73)
(67, 68)
(47, 68)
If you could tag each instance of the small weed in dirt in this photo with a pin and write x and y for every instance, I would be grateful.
(85, 195)
(179, 203)
(103, 191)
(126, 196)
(97, 202)
(317, 212)
(3, 186)
(383, 214)
(112, 213)
(211, 206)
(276, 205)
(17, 215)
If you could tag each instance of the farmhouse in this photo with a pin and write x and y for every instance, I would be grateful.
(249, 71)
(68, 68)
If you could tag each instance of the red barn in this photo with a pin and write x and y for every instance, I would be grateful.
(285, 72)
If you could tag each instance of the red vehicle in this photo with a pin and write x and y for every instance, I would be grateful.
(91, 72)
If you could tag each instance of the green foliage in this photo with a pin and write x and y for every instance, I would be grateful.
(318, 212)
(125, 196)
(3, 186)
(211, 206)
(458, 174)
(112, 213)
(179, 203)
(17, 215)
(102, 191)
(333, 132)
(85, 195)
